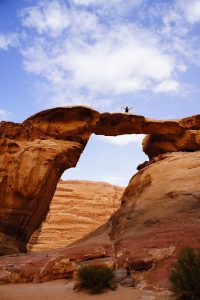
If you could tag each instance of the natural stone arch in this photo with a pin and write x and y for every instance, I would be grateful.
(35, 153)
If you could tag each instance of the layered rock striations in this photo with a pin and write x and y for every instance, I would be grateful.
(34, 154)
(77, 208)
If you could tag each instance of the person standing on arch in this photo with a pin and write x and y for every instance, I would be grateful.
(126, 109)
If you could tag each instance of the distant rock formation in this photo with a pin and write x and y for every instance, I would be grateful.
(35, 153)
(77, 208)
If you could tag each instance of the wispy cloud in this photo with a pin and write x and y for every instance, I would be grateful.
(114, 180)
(81, 57)
(112, 8)
(190, 10)
(122, 140)
(5, 115)
(83, 51)
(46, 17)
(167, 86)
(8, 40)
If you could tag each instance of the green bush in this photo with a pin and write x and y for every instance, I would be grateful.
(94, 279)
(185, 274)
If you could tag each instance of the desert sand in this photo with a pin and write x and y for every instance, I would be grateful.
(63, 290)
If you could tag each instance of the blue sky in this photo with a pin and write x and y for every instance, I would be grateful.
(105, 54)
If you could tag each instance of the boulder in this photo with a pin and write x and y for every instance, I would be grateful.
(47, 266)
(120, 275)
(128, 282)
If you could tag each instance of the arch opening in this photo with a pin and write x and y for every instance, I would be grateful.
(109, 158)
(87, 195)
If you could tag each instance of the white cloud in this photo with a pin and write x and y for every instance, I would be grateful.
(180, 16)
(86, 58)
(48, 17)
(117, 60)
(118, 65)
(179, 33)
(191, 10)
(167, 86)
(85, 2)
(5, 115)
(122, 140)
(8, 40)
(113, 5)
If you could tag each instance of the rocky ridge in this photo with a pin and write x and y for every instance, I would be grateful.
(77, 208)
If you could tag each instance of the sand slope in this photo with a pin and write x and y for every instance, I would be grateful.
(63, 290)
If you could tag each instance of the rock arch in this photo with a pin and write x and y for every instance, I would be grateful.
(35, 153)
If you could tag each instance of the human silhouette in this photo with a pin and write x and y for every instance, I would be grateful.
(126, 109)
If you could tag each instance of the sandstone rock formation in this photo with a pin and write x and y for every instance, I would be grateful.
(46, 266)
(155, 144)
(159, 215)
(34, 154)
(117, 124)
(77, 208)
(163, 136)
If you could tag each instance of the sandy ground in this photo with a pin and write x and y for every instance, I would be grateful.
(63, 290)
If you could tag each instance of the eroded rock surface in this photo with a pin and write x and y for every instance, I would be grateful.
(34, 154)
(47, 266)
(159, 214)
(117, 124)
(163, 135)
(77, 208)
(155, 144)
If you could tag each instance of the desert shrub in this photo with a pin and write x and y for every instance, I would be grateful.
(185, 274)
(94, 279)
